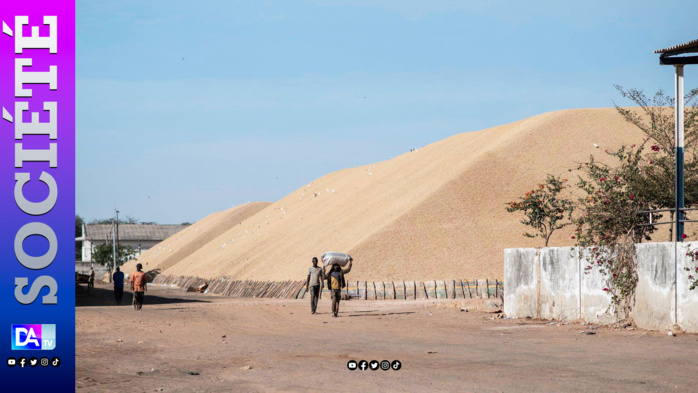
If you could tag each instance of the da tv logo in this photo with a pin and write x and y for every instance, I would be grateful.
(33, 337)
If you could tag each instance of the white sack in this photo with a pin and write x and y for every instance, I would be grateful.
(340, 258)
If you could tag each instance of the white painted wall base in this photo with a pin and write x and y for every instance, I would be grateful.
(550, 283)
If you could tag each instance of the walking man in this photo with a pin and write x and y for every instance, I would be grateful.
(139, 286)
(118, 279)
(335, 282)
(314, 284)
(91, 282)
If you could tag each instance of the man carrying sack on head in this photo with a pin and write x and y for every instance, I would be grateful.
(335, 283)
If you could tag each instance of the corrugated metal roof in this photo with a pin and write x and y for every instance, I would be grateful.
(98, 232)
(687, 47)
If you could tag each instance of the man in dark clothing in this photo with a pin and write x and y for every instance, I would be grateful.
(335, 283)
(118, 279)
(91, 283)
(314, 284)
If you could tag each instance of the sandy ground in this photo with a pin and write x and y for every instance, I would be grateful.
(441, 349)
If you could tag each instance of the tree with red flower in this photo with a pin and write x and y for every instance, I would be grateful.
(544, 209)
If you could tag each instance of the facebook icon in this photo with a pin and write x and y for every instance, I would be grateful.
(33, 337)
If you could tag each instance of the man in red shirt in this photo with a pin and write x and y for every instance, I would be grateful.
(139, 285)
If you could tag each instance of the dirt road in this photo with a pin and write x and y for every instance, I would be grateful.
(198, 343)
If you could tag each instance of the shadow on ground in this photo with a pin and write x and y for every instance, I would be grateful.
(105, 297)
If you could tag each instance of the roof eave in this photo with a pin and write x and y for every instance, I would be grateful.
(677, 60)
(686, 47)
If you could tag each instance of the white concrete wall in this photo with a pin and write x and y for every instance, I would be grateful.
(595, 302)
(87, 251)
(551, 283)
(654, 296)
(559, 283)
(521, 274)
(84, 268)
(687, 299)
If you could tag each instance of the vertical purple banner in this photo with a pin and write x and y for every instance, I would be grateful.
(37, 195)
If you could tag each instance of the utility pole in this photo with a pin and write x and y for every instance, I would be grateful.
(117, 236)
(677, 56)
(679, 134)
(113, 243)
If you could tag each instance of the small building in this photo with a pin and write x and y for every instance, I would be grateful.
(140, 237)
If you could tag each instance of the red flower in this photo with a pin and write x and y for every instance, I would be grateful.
(605, 289)
(655, 148)
(616, 178)
(683, 236)
(632, 196)
(614, 274)
(573, 237)
(651, 162)
(602, 179)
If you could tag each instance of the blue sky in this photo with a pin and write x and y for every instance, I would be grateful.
(189, 107)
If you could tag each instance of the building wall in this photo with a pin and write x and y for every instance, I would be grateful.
(551, 283)
(86, 251)
(84, 268)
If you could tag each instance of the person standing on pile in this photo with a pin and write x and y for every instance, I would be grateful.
(139, 286)
(118, 279)
(335, 282)
(314, 284)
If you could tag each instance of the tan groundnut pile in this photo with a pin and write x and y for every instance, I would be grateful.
(192, 238)
(436, 212)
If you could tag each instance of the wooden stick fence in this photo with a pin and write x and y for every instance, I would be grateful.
(365, 290)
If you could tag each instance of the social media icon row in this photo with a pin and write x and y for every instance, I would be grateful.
(374, 365)
(33, 362)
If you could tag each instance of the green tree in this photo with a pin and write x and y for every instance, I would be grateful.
(610, 219)
(103, 255)
(655, 119)
(101, 221)
(129, 220)
(122, 220)
(545, 211)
